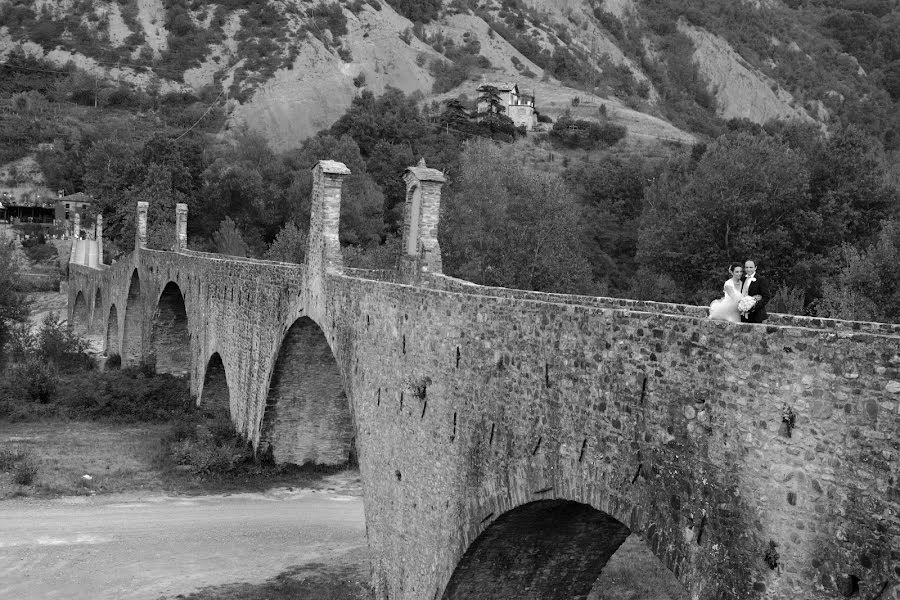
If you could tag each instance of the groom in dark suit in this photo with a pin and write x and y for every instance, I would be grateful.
(757, 287)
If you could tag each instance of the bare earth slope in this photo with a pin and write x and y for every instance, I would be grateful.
(741, 92)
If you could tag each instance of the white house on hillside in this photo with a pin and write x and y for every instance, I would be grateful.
(519, 105)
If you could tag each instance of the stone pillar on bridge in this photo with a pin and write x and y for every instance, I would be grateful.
(421, 251)
(76, 226)
(98, 233)
(140, 235)
(181, 212)
(323, 254)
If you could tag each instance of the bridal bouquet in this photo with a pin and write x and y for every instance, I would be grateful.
(745, 305)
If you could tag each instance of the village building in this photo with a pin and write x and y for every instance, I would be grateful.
(518, 105)
(44, 209)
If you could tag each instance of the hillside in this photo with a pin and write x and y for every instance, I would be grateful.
(670, 72)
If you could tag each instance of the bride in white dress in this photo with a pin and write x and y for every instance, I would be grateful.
(726, 308)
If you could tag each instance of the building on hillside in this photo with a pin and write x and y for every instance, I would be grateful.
(46, 210)
(518, 105)
(66, 207)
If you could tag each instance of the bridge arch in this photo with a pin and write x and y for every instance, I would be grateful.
(170, 346)
(307, 415)
(215, 396)
(547, 549)
(80, 315)
(132, 338)
(112, 347)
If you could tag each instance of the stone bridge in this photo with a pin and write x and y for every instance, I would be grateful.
(508, 441)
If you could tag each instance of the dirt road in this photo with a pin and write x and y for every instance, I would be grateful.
(147, 547)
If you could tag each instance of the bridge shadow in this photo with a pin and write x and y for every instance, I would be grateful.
(170, 345)
(132, 338)
(307, 417)
(80, 316)
(112, 333)
(216, 395)
(548, 550)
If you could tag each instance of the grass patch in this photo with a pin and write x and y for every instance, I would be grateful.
(117, 458)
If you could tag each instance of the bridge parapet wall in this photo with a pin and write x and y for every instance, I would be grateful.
(452, 284)
(470, 406)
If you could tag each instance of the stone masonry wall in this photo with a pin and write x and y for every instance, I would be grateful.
(469, 406)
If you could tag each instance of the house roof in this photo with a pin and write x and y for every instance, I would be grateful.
(502, 86)
(76, 197)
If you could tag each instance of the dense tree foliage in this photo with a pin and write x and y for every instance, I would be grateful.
(747, 196)
(867, 287)
(421, 11)
(505, 225)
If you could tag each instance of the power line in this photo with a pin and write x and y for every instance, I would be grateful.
(206, 112)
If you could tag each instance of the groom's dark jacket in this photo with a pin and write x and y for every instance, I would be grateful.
(759, 287)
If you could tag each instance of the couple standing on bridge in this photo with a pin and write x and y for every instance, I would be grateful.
(746, 295)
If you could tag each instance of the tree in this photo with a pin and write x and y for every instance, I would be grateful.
(12, 303)
(228, 239)
(289, 245)
(847, 186)
(489, 99)
(362, 202)
(867, 288)
(612, 193)
(504, 225)
(746, 197)
(455, 115)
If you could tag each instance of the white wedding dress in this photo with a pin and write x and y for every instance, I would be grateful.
(726, 308)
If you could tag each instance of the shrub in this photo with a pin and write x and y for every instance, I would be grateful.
(10, 457)
(35, 381)
(58, 345)
(331, 17)
(578, 133)
(447, 75)
(25, 473)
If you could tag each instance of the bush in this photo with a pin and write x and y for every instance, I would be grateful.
(58, 345)
(210, 446)
(25, 473)
(35, 381)
(331, 17)
(10, 458)
(578, 133)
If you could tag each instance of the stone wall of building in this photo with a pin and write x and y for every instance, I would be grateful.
(759, 461)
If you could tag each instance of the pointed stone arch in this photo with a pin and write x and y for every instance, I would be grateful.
(112, 333)
(307, 416)
(80, 315)
(215, 397)
(549, 549)
(170, 341)
(133, 338)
